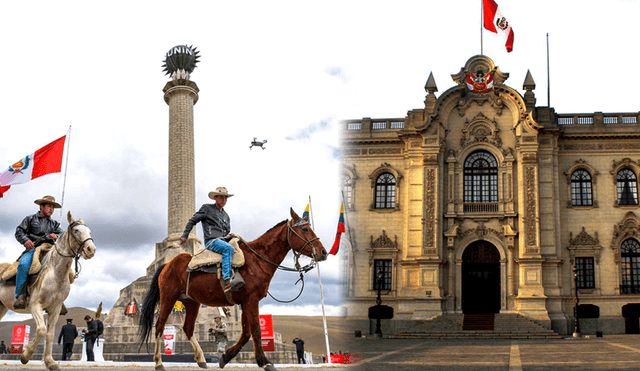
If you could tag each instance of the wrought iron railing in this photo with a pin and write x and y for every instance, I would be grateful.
(629, 289)
(481, 207)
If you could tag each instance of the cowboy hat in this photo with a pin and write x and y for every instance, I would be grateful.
(48, 200)
(220, 191)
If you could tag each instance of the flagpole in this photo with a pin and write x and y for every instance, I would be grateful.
(481, 22)
(548, 80)
(66, 166)
(347, 226)
(324, 317)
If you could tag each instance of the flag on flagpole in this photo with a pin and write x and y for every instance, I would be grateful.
(45, 160)
(306, 211)
(336, 242)
(495, 22)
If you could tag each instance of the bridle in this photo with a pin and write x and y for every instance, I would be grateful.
(75, 254)
(298, 268)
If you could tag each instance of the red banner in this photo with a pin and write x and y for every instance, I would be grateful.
(268, 345)
(266, 326)
(20, 334)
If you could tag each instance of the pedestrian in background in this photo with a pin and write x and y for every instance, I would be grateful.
(90, 335)
(68, 334)
(299, 349)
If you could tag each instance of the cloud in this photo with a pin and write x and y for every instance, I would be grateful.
(337, 72)
(308, 131)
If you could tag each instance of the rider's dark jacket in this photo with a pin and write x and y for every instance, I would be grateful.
(215, 222)
(35, 226)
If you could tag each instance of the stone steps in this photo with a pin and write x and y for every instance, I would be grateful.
(451, 326)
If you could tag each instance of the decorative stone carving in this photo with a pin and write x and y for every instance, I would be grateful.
(628, 228)
(384, 241)
(480, 130)
(584, 245)
(481, 231)
(430, 209)
(530, 223)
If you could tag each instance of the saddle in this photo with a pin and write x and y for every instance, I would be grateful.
(208, 261)
(8, 271)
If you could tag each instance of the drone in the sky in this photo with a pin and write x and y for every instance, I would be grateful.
(257, 143)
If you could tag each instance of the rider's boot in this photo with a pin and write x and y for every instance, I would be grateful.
(21, 302)
(227, 285)
(63, 310)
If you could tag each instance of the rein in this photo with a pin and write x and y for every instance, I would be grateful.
(75, 254)
(298, 268)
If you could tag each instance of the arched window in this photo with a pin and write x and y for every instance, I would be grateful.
(480, 177)
(385, 191)
(630, 254)
(627, 186)
(347, 191)
(581, 190)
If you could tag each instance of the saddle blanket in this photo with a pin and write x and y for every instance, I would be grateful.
(9, 270)
(204, 257)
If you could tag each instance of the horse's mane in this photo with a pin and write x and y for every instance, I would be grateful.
(47, 256)
(272, 228)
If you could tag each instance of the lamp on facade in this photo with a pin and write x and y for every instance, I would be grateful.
(378, 332)
(576, 330)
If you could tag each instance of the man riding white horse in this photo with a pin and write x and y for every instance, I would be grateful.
(216, 225)
(34, 231)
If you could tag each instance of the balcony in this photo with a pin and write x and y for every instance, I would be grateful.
(481, 207)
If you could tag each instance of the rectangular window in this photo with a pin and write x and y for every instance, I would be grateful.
(384, 267)
(586, 273)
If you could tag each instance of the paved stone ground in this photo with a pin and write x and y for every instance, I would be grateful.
(613, 352)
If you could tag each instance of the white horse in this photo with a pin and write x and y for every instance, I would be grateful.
(51, 287)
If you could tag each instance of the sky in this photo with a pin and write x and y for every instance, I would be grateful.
(285, 71)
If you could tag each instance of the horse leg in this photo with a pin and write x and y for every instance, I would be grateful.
(41, 330)
(242, 340)
(192, 308)
(253, 324)
(48, 341)
(165, 311)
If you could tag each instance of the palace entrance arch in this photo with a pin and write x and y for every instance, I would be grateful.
(481, 278)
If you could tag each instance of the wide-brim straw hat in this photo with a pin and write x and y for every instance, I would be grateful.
(220, 191)
(48, 200)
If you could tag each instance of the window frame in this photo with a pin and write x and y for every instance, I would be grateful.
(586, 272)
(630, 268)
(387, 274)
(480, 185)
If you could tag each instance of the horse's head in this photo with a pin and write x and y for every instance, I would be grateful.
(303, 240)
(82, 241)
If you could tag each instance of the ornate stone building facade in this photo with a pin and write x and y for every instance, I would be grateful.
(484, 202)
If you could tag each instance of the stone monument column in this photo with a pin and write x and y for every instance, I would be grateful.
(181, 95)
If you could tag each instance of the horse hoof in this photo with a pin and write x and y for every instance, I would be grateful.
(160, 368)
(222, 363)
(24, 360)
(202, 364)
(54, 368)
(269, 367)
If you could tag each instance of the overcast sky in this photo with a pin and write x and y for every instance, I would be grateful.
(282, 71)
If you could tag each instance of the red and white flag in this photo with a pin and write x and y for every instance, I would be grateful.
(495, 22)
(46, 160)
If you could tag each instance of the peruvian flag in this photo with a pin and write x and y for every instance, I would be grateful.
(46, 160)
(495, 22)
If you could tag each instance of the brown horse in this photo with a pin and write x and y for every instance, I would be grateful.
(262, 257)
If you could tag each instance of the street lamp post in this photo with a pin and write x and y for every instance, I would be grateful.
(576, 330)
(378, 332)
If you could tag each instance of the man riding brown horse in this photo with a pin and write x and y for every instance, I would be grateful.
(34, 231)
(216, 225)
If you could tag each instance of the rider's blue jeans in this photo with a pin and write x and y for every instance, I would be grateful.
(226, 250)
(23, 270)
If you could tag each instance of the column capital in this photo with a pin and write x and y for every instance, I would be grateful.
(184, 85)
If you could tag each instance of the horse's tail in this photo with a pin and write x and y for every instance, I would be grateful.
(148, 308)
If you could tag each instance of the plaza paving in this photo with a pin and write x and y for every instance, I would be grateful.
(612, 352)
